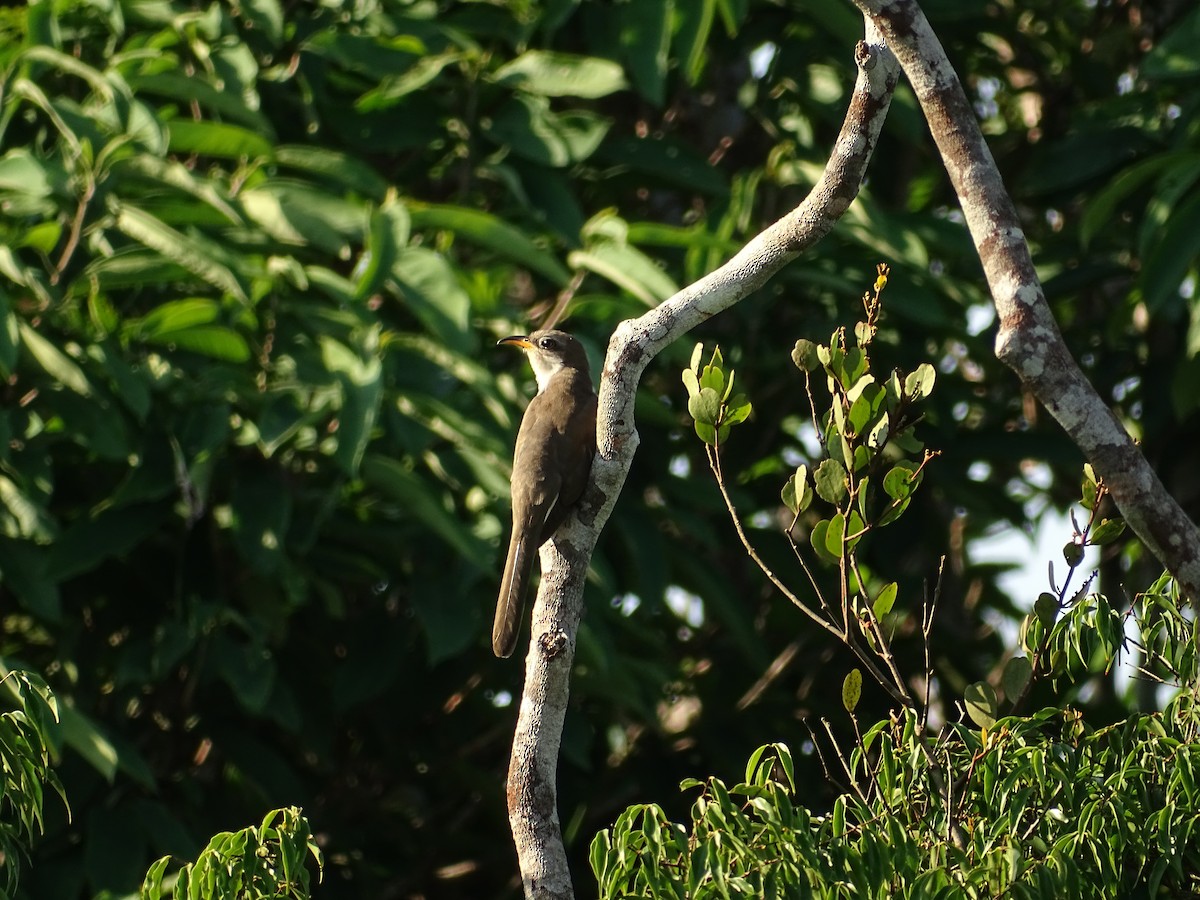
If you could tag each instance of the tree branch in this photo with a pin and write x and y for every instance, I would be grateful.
(532, 792)
(1029, 341)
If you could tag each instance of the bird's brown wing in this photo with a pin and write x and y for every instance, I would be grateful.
(535, 498)
(550, 470)
(575, 464)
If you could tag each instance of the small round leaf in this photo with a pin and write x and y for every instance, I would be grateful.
(981, 703)
(830, 480)
(1016, 675)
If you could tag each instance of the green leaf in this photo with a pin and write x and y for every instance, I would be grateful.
(1017, 673)
(830, 480)
(1046, 608)
(819, 540)
(884, 600)
(392, 89)
(221, 140)
(555, 74)
(174, 315)
(83, 736)
(797, 494)
(691, 382)
(229, 105)
(980, 699)
(215, 341)
(526, 125)
(645, 37)
(71, 65)
(387, 235)
(432, 290)
(1073, 553)
(362, 389)
(855, 530)
(187, 252)
(297, 213)
(900, 481)
(341, 168)
(1171, 256)
(851, 690)
(705, 407)
(878, 434)
(1174, 55)
(22, 172)
(1089, 493)
(54, 362)
(919, 384)
(1106, 532)
(628, 268)
(494, 233)
(266, 18)
(177, 177)
(27, 518)
(862, 334)
(737, 409)
(713, 376)
(1102, 206)
(835, 536)
(804, 355)
(865, 405)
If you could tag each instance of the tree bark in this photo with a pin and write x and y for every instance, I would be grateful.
(532, 788)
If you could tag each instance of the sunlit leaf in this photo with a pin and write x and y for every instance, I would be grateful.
(980, 699)
(155, 234)
(557, 74)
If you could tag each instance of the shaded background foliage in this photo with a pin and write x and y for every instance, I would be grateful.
(255, 437)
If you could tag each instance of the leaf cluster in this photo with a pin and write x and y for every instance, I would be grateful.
(713, 406)
(1040, 805)
(263, 862)
(27, 735)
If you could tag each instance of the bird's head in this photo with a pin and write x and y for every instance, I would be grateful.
(548, 352)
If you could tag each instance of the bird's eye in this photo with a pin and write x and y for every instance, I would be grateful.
(546, 343)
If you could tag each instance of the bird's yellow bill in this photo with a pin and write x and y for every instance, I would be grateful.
(517, 340)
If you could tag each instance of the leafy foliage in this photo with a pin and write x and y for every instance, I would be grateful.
(1033, 806)
(253, 452)
(1043, 807)
(267, 861)
(25, 758)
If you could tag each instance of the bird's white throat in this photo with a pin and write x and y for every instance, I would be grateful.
(544, 367)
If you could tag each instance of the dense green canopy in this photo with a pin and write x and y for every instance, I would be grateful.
(254, 435)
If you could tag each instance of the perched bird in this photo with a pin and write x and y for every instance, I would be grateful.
(555, 446)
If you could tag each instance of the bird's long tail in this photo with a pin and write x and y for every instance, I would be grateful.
(510, 606)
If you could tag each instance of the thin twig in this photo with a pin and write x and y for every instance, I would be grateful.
(563, 300)
(845, 637)
(715, 465)
(928, 611)
(885, 649)
(845, 766)
(89, 191)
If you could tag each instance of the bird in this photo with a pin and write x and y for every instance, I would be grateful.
(551, 463)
